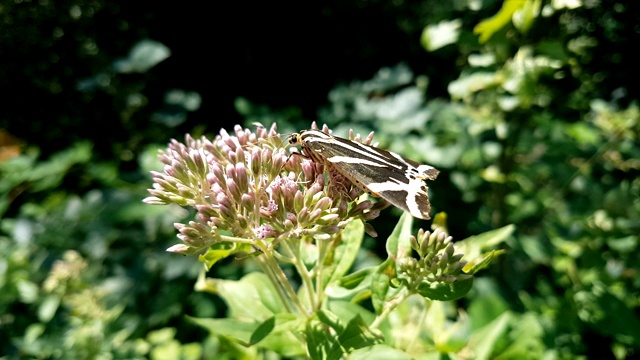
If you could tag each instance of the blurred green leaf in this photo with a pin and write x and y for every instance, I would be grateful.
(473, 247)
(142, 57)
(239, 330)
(524, 17)
(602, 310)
(28, 291)
(488, 27)
(379, 352)
(48, 308)
(442, 34)
(466, 85)
(483, 342)
(24, 171)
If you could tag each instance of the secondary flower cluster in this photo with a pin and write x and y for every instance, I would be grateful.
(247, 185)
(437, 262)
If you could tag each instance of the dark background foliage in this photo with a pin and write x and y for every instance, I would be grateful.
(87, 132)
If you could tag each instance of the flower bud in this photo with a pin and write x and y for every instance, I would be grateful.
(248, 202)
(323, 204)
(256, 165)
(407, 264)
(291, 217)
(298, 202)
(241, 178)
(216, 169)
(303, 215)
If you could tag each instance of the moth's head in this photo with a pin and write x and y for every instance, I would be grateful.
(295, 139)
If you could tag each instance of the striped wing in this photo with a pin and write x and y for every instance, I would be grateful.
(383, 173)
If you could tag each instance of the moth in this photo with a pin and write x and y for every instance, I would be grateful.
(381, 173)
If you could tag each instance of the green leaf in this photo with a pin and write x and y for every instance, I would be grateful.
(219, 251)
(331, 320)
(358, 335)
(584, 133)
(381, 284)
(282, 338)
(48, 308)
(398, 244)
(379, 352)
(488, 27)
(254, 300)
(321, 344)
(354, 287)
(347, 310)
(276, 333)
(354, 335)
(483, 342)
(142, 57)
(608, 314)
(252, 297)
(524, 17)
(526, 339)
(239, 330)
(161, 335)
(263, 330)
(43, 175)
(468, 84)
(345, 253)
(486, 303)
(441, 34)
(472, 247)
(482, 262)
(28, 291)
(444, 291)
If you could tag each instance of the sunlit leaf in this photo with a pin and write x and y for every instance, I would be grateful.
(345, 253)
(524, 17)
(379, 352)
(488, 27)
(466, 85)
(483, 342)
(440, 35)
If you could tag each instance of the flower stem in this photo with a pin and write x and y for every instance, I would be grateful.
(388, 308)
(280, 281)
(305, 276)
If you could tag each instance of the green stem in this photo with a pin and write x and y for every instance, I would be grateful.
(282, 283)
(274, 280)
(239, 240)
(388, 308)
(295, 254)
(323, 247)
